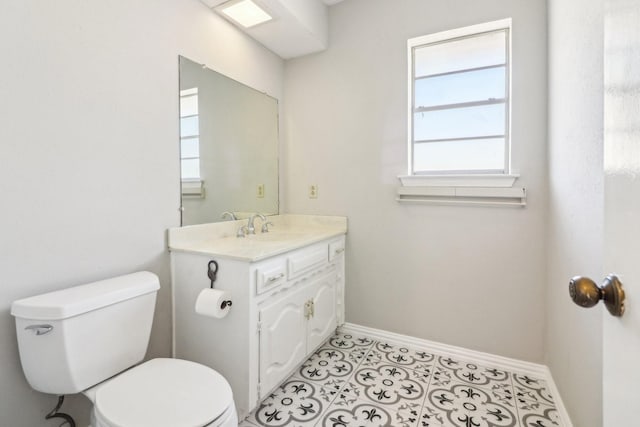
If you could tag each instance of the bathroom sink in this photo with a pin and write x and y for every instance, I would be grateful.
(260, 245)
(275, 236)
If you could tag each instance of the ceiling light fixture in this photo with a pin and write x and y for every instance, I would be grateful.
(245, 13)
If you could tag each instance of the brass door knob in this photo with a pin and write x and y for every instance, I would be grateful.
(586, 293)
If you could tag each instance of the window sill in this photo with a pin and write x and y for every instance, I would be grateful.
(193, 188)
(470, 190)
(484, 180)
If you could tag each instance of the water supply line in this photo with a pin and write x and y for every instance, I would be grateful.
(55, 414)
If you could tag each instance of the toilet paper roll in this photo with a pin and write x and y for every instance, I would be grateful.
(213, 303)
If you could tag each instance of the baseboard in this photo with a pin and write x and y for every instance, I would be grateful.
(562, 410)
(533, 369)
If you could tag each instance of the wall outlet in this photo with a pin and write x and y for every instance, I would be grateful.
(313, 191)
(260, 191)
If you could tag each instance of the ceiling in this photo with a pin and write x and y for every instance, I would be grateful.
(300, 27)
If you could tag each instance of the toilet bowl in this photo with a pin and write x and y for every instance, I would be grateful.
(91, 338)
(164, 393)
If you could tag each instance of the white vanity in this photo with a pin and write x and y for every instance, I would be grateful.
(287, 289)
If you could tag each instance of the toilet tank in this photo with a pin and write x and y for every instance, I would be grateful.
(72, 339)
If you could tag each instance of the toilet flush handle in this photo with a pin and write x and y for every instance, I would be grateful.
(40, 329)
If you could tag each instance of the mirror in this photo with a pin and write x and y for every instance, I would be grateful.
(228, 147)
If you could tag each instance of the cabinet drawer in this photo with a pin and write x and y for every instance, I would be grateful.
(306, 259)
(336, 249)
(269, 276)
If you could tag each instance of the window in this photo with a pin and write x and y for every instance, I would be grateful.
(459, 101)
(189, 135)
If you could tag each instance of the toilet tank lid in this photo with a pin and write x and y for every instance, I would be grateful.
(84, 298)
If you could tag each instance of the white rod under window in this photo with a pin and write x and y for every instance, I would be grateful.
(467, 196)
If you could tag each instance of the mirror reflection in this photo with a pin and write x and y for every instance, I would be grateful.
(228, 147)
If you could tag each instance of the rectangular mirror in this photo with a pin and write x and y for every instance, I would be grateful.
(228, 147)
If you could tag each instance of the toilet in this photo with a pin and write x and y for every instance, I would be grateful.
(92, 338)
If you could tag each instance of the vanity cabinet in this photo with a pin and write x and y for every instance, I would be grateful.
(293, 325)
(284, 307)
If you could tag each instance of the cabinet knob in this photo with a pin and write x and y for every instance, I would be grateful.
(309, 309)
(274, 278)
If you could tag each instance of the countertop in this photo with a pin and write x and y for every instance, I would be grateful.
(289, 232)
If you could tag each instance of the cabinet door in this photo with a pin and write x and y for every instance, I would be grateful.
(323, 322)
(282, 338)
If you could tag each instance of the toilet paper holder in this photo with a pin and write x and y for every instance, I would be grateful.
(213, 275)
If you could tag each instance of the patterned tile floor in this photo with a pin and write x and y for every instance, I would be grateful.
(357, 381)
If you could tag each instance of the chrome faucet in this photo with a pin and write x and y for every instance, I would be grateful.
(231, 216)
(251, 229)
(242, 231)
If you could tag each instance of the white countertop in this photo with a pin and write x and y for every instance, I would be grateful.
(288, 232)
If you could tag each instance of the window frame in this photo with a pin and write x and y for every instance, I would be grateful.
(450, 36)
(189, 93)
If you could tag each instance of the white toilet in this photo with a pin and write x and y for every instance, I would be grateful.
(89, 339)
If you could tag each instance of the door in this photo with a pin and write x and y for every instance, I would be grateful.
(282, 338)
(621, 340)
(323, 322)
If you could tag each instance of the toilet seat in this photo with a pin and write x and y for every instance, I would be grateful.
(164, 393)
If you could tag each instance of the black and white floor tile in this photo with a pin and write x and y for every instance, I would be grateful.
(355, 381)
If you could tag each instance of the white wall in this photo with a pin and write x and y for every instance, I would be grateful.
(89, 170)
(467, 276)
(574, 335)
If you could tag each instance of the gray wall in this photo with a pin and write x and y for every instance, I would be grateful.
(574, 335)
(89, 170)
(467, 276)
